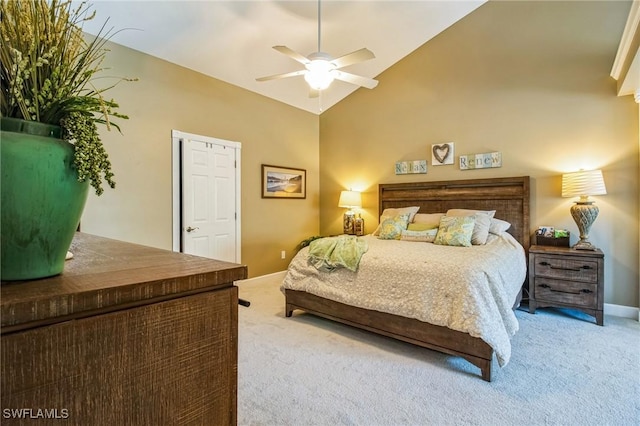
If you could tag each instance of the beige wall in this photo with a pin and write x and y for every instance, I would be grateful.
(170, 97)
(529, 79)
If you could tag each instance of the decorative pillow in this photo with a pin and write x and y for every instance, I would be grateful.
(391, 229)
(422, 226)
(455, 231)
(426, 236)
(483, 221)
(391, 213)
(498, 226)
(432, 219)
(467, 212)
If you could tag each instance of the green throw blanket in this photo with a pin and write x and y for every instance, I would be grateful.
(332, 252)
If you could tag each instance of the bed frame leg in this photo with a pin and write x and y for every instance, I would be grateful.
(486, 371)
(483, 364)
(288, 310)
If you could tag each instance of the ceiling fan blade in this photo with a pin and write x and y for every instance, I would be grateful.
(361, 55)
(367, 82)
(292, 54)
(313, 93)
(285, 75)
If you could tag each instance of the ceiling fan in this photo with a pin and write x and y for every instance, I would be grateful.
(321, 68)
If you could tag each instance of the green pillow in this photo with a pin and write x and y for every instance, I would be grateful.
(455, 231)
(421, 226)
(425, 236)
(391, 229)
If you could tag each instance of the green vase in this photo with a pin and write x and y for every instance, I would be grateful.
(42, 200)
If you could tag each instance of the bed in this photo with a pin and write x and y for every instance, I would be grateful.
(509, 197)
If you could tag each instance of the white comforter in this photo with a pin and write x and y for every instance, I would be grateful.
(469, 289)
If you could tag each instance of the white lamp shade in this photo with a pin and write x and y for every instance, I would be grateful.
(350, 199)
(583, 183)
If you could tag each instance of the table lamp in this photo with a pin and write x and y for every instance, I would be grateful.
(349, 200)
(583, 184)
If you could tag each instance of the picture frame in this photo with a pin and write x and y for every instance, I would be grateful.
(283, 182)
(442, 154)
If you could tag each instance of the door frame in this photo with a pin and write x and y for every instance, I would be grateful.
(176, 180)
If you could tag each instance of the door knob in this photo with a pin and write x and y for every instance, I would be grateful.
(190, 229)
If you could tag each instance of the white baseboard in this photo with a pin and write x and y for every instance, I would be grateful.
(609, 308)
(622, 311)
(262, 278)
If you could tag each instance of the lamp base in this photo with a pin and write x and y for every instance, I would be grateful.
(584, 213)
(348, 223)
(584, 245)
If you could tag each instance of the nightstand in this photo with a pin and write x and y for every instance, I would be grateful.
(567, 278)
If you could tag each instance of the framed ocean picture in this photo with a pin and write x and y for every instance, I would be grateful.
(283, 182)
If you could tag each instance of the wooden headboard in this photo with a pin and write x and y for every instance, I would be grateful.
(509, 197)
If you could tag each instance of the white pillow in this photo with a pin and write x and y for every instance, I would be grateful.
(482, 223)
(393, 212)
(498, 226)
(469, 212)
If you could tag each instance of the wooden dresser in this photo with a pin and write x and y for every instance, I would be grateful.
(564, 277)
(127, 335)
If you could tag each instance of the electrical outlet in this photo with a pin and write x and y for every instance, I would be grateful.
(283, 254)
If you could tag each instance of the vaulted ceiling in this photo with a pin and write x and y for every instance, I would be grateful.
(232, 40)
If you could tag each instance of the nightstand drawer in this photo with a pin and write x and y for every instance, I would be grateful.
(572, 293)
(567, 269)
(563, 277)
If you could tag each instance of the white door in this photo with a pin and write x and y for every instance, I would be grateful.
(209, 202)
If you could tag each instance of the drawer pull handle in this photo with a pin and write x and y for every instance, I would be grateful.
(584, 290)
(565, 269)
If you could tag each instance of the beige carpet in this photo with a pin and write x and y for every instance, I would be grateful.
(304, 370)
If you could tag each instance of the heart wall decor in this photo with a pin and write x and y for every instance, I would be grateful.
(442, 154)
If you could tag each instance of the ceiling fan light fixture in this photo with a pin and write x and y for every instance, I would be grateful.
(320, 74)
(321, 68)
